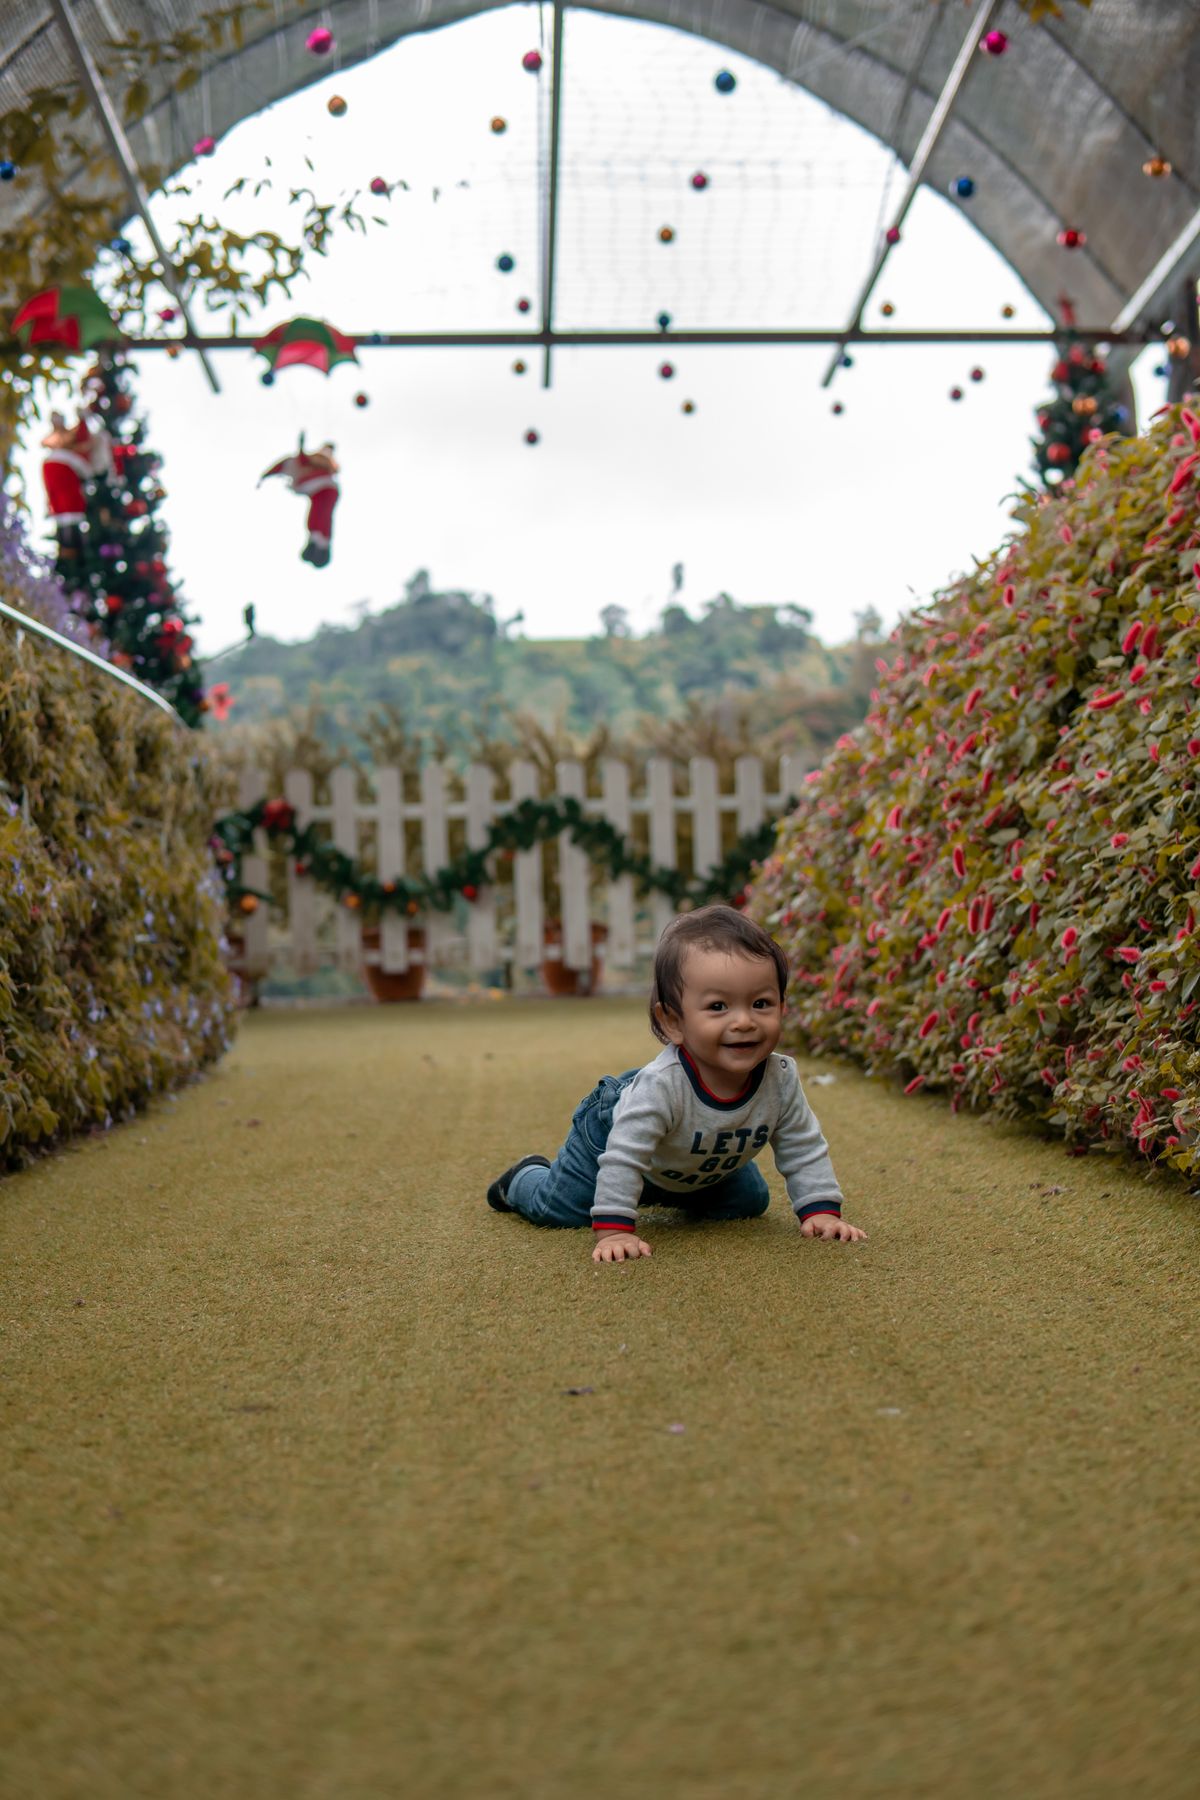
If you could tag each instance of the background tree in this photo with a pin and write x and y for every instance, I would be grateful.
(1084, 409)
(125, 590)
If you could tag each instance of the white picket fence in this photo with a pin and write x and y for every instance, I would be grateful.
(484, 946)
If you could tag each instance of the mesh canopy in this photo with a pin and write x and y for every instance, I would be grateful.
(1055, 132)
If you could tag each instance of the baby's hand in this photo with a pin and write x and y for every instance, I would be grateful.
(828, 1225)
(615, 1246)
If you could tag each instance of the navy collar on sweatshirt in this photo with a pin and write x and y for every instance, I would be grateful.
(706, 1095)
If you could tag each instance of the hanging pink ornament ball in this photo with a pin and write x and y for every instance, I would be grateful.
(837, 407)
(892, 234)
(956, 393)
(522, 305)
(699, 180)
(993, 43)
(379, 185)
(319, 42)
(531, 437)
(204, 146)
(532, 60)
(976, 374)
(666, 370)
(360, 400)
(1094, 435)
(166, 314)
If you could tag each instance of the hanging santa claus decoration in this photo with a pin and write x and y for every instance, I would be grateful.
(74, 454)
(312, 473)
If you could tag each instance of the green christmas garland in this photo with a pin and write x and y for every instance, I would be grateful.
(529, 823)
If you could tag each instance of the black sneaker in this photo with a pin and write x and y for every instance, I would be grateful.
(499, 1188)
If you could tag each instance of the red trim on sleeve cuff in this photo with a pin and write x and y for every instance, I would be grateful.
(812, 1212)
(613, 1225)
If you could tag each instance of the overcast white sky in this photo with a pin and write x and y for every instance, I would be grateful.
(762, 492)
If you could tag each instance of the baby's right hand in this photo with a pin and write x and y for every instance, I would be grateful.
(615, 1246)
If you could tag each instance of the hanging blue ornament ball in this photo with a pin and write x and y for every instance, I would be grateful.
(964, 187)
(376, 337)
(122, 246)
(7, 171)
(268, 379)
(1160, 369)
(505, 263)
(664, 319)
(847, 362)
(1122, 412)
(725, 82)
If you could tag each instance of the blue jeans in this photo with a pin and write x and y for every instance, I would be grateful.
(563, 1193)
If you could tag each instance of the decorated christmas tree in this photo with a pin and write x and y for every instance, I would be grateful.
(1084, 409)
(121, 565)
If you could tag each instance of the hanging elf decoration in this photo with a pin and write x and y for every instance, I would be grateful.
(312, 473)
(74, 454)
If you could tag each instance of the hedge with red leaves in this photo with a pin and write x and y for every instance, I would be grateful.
(990, 888)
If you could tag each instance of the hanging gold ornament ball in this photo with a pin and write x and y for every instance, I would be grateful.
(667, 234)
(412, 909)
(887, 309)
(172, 351)
(689, 406)
(1008, 312)
(1084, 405)
(1178, 348)
(518, 367)
(1157, 166)
(337, 105)
(499, 124)
(248, 903)
(352, 901)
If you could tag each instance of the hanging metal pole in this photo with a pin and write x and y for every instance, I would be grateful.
(139, 687)
(550, 243)
(118, 143)
(1156, 295)
(925, 149)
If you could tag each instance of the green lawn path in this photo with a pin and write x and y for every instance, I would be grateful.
(295, 1504)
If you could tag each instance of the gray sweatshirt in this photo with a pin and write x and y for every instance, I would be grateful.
(668, 1128)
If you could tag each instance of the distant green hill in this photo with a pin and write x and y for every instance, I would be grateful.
(450, 668)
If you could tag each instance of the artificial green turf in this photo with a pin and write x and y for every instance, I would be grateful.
(295, 1504)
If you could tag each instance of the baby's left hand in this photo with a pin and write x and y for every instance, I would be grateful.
(828, 1225)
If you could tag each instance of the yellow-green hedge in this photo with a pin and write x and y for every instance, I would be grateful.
(991, 886)
(111, 982)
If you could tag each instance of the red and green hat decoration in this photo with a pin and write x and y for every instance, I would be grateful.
(308, 343)
(65, 318)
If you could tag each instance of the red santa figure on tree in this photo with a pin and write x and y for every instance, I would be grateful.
(73, 455)
(312, 473)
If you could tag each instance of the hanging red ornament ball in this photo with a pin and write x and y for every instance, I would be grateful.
(532, 60)
(1058, 453)
(1072, 239)
(666, 234)
(956, 393)
(1043, 420)
(336, 105)
(699, 180)
(518, 367)
(887, 309)
(112, 603)
(499, 124)
(1008, 312)
(1157, 166)
(278, 815)
(300, 868)
(977, 374)
(689, 406)
(993, 43)
(837, 407)
(379, 185)
(470, 891)
(522, 305)
(204, 146)
(135, 509)
(531, 437)
(892, 234)
(319, 42)
(1061, 372)
(666, 370)
(360, 400)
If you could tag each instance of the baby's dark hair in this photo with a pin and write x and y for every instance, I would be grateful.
(713, 928)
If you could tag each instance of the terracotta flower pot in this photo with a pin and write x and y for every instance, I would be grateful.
(561, 980)
(405, 985)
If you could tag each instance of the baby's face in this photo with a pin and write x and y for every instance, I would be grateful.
(732, 1014)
